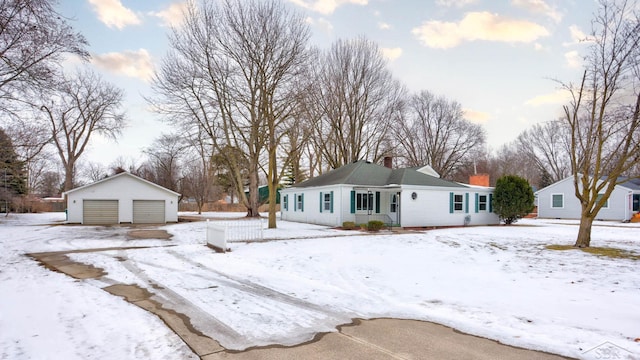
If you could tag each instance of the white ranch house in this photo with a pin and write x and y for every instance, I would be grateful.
(558, 201)
(122, 198)
(362, 191)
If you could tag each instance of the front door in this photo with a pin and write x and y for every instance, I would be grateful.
(394, 207)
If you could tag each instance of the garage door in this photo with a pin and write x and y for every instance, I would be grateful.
(100, 212)
(148, 211)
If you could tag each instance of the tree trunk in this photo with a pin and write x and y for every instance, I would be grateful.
(584, 233)
(272, 179)
(68, 175)
(253, 200)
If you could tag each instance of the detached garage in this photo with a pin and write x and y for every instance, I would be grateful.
(122, 198)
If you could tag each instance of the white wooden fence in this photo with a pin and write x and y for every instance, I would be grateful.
(219, 233)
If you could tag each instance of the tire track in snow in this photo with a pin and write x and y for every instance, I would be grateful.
(201, 319)
(253, 288)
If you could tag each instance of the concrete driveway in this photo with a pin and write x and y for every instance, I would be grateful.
(363, 339)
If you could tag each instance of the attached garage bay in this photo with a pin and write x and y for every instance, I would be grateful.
(122, 199)
(100, 212)
(148, 211)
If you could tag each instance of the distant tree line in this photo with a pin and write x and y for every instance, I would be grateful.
(251, 103)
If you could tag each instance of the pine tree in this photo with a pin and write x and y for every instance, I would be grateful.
(513, 198)
(11, 169)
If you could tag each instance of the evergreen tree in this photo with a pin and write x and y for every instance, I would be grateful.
(11, 169)
(545, 179)
(513, 198)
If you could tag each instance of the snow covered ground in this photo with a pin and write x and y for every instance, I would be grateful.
(499, 282)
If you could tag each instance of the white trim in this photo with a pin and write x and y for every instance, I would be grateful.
(119, 175)
(551, 202)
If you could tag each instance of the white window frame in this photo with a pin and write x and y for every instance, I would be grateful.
(326, 201)
(299, 202)
(456, 203)
(481, 203)
(606, 204)
(552, 204)
(364, 201)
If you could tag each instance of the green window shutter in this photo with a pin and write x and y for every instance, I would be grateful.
(490, 202)
(331, 201)
(295, 202)
(466, 203)
(302, 202)
(451, 202)
(321, 201)
(377, 202)
(285, 202)
(353, 202)
(477, 205)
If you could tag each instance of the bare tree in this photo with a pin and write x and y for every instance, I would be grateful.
(434, 132)
(93, 171)
(33, 40)
(352, 100)
(546, 145)
(81, 106)
(604, 114)
(164, 160)
(509, 160)
(30, 140)
(231, 74)
(50, 184)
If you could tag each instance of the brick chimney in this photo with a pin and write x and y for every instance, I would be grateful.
(388, 162)
(479, 180)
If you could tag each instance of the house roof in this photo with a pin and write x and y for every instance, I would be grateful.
(364, 173)
(632, 184)
(122, 174)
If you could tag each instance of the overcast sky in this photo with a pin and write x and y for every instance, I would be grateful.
(498, 58)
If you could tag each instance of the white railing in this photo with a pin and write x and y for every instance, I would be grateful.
(219, 233)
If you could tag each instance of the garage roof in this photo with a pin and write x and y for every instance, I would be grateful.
(122, 174)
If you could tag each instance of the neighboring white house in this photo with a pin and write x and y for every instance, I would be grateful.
(558, 201)
(362, 191)
(122, 198)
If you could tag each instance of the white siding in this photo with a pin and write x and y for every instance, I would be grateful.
(311, 211)
(430, 208)
(125, 188)
(619, 203)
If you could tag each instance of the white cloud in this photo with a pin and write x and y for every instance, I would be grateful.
(577, 36)
(326, 7)
(384, 26)
(173, 15)
(539, 7)
(574, 60)
(321, 23)
(137, 64)
(478, 26)
(475, 116)
(391, 53)
(455, 3)
(538, 46)
(560, 96)
(113, 14)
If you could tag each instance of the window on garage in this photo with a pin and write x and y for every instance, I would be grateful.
(557, 201)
